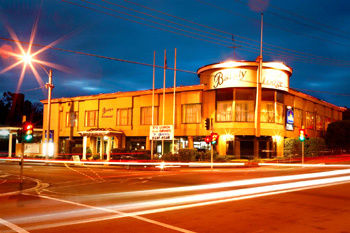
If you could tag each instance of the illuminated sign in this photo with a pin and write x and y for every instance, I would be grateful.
(289, 118)
(239, 77)
(161, 132)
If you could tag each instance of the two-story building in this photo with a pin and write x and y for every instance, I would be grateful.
(227, 94)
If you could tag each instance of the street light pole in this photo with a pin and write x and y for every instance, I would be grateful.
(48, 86)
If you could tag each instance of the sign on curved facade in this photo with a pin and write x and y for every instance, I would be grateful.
(274, 75)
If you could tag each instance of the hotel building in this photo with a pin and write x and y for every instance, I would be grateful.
(248, 127)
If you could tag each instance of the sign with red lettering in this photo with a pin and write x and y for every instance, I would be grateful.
(161, 132)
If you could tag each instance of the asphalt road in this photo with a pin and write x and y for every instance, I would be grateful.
(101, 199)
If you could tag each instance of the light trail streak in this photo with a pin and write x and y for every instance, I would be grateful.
(200, 200)
(190, 164)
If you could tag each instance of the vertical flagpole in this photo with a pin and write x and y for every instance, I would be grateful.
(258, 83)
(163, 110)
(173, 149)
(154, 69)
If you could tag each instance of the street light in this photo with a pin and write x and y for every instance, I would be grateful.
(49, 146)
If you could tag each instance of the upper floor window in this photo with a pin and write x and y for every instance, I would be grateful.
(244, 111)
(319, 122)
(123, 116)
(146, 116)
(224, 111)
(298, 117)
(71, 119)
(267, 112)
(91, 118)
(310, 120)
(191, 113)
(279, 113)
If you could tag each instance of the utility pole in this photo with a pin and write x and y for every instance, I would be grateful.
(48, 86)
(234, 47)
(154, 68)
(165, 66)
(174, 108)
(258, 83)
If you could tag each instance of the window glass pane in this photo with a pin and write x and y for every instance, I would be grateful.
(244, 111)
(280, 97)
(267, 112)
(191, 113)
(245, 94)
(224, 111)
(90, 118)
(319, 122)
(124, 116)
(279, 113)
(146, 115)
(310, 120)
(224, 94)
(298, 117)
(268, 95)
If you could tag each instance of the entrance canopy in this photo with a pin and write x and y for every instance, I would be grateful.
(101, 132)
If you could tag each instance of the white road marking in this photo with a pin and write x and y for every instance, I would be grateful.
(12, 226)
(120, 214)
(83, 174)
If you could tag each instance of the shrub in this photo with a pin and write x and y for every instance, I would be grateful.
(312, 146)
(187, 155)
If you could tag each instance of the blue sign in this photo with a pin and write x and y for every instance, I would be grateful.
(289, 118)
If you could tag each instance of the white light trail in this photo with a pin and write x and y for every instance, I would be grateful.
(185, 202)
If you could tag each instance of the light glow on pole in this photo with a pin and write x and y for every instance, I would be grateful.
(26, 57)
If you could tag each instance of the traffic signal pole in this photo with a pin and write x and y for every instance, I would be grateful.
(302, 152)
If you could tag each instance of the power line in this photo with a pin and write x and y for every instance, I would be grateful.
(95, 55)
(239, 41)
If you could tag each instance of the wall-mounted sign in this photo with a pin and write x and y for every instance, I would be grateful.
(239, 77)
(161, 132)
(107, 112)
(289, 118)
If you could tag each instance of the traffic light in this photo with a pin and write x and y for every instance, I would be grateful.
(214, 138)
(28, 132)
(302, 135)
(207, 124)
(207, 139)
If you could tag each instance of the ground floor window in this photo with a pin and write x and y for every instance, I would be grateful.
(135, 143)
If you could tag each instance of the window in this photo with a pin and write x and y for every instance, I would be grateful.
(191, 113)
(91, 118)
(146, 115)
(310, 120)
(224, 111)
(298, 117)
(71, 119)
(245, 94)
(327, 121)
(123, 116)
(319, 122)
(267, 112)
(279, 113)
(244, 111)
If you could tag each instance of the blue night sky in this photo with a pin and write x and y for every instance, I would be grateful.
(310, 36)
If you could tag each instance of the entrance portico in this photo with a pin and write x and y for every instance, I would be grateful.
(90, 137)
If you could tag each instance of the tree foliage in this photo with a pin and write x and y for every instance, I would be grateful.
(338, 134)
(13, 107)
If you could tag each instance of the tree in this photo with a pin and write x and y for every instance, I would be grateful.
(338, 135)
(13, 107)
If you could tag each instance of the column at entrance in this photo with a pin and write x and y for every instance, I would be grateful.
(101, 148)
(10, 145)
(109, 144)
(190, 142)
(84, 147)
